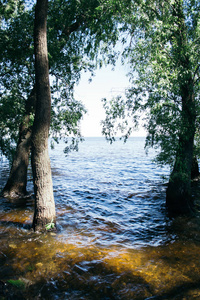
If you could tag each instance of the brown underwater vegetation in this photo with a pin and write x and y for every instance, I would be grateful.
(63, 266)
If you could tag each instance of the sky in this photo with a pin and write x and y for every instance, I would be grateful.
(105, 84)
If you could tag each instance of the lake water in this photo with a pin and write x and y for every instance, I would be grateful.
(113, 186)
(115, 238)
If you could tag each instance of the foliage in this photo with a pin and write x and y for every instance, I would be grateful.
(164, 62)
(81, 35)
(16, 73)
(17, 283)
(9, 8)
(66, 114)
(11, 110)
(50, 225)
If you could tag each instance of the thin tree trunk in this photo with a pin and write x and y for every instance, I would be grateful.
(17, 181)
(44, 200)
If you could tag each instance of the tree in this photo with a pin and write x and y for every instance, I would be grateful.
(17, 180)
(43, 188)
(164, 61)
(44, 201)
(17, 102)
(74, 44)
(17, 105)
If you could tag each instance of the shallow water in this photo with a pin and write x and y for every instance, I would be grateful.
(115, 238)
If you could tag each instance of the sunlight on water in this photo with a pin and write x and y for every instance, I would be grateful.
(114, 240)
(51, 264)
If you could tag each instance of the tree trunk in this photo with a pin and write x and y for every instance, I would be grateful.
(44, 200)
(17, 181)
(178, 196)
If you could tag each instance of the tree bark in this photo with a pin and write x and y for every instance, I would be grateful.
(17, 180)
(44, 200)
(178, 195)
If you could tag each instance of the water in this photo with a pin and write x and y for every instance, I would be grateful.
(116, 187)
(115, 239)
